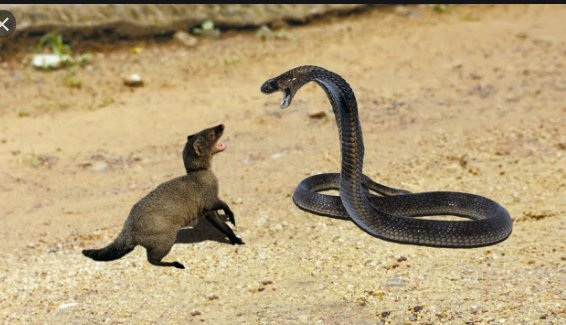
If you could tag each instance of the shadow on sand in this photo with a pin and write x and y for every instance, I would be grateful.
(199, 233)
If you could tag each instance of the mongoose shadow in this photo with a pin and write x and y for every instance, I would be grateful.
(186, 201)
(202, 231)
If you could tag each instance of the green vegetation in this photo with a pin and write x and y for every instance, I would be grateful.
(55, 43)
(51, 106)
(85, 59)
(58, 53)
(232, 60)
(207, 29)
(440, 8)
(137, 50)
(37, 161)
(23, 113)
(265, 33)
(72, 81)
(107, 100)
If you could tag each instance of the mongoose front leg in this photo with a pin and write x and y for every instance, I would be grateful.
(221, 205)
(219, 224)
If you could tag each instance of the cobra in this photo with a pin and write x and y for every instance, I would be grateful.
(393, 214)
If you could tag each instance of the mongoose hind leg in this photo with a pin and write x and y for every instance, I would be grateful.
(156, 253)
(219, 224)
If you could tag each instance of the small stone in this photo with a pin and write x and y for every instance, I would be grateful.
(99, 166)
(318, 115)
(474, 170)
(522, 35)
(401, 258)
(483, 91)
(185, 39)
(68, 305)
(391, 266)
(196, 313)
(260, 289)
(385, 314)
(47, 160)
(416, 309)
(475, 76)
(412, 318)
(50, 61)
(133, 80)
(395, 282)
(278, 155)
(266, 282)
(212, 297)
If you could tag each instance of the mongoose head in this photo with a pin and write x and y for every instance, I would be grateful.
(200, 148)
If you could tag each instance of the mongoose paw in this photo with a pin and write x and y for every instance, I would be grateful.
(178, 265)
(232, 220)
(237, 241)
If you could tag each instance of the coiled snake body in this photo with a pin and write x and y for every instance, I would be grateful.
(392, 215)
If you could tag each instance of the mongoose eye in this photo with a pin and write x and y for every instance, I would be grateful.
(211, 136)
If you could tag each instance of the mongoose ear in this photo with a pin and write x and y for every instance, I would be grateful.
(189, 137)
(197, 149)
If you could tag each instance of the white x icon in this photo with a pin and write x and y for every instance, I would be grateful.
(2, 24)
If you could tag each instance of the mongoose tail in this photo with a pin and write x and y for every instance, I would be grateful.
(118, 248)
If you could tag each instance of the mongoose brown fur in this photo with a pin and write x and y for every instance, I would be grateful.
(154, 221)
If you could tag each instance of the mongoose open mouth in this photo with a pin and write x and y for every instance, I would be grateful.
(219, 147)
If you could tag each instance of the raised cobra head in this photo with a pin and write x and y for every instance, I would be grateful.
(288, 83)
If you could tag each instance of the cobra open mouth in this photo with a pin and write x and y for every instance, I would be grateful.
(286, 100)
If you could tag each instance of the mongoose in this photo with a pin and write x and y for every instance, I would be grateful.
(154, 221)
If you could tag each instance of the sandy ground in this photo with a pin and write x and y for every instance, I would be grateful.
(472, 100)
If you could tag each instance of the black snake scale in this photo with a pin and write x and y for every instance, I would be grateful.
(392, 215)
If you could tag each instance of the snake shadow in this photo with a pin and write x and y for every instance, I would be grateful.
(202, 231)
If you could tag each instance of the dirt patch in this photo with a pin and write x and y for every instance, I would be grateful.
(470, 100)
